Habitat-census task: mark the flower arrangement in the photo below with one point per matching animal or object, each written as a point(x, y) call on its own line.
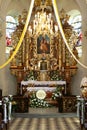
point(32, 75)
point(54, 75)
point(7, 99)
point(36, 102)
point(57, 93)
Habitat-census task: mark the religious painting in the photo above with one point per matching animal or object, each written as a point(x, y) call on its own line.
point(43, 44)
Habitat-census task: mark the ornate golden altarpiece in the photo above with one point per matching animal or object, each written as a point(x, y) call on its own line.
point(43, 55)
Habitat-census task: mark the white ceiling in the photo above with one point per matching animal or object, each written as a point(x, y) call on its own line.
point(15, 7)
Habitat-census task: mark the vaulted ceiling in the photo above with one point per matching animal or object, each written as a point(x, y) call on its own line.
point(14, 7)
point(5, 4)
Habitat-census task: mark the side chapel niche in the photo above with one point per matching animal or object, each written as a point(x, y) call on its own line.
point(43, 55)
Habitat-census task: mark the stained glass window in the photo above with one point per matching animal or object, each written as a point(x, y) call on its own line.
point(76, 22)
point(10, 27)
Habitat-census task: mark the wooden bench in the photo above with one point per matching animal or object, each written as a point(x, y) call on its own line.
point(83, 113)
point(22, 104)
point(3, 124)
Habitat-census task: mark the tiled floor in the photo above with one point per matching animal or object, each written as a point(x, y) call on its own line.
point(36, 119)
point(60, 123)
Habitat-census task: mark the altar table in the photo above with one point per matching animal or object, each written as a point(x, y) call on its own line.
point(42, 85)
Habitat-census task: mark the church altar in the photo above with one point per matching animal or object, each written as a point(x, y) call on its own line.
point(44, 85)
point(43, 82)
point(43, 58)
point(41, 88)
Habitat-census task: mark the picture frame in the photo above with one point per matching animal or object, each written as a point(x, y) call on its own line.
point(43, 44)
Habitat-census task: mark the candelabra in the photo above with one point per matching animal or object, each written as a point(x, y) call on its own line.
point(43, 22)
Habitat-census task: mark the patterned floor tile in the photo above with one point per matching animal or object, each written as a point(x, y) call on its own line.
point(61, 123)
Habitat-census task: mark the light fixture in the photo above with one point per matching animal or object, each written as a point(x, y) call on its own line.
point(43, 22)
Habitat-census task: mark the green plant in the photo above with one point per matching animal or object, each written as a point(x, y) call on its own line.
point(54, 75)
point(32, 75)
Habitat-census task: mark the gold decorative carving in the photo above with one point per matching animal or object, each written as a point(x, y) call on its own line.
point(43, 47)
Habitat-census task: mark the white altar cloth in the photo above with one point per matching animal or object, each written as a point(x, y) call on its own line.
point(42, 82)
point(41, 88)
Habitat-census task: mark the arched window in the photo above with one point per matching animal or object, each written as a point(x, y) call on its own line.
point(10, 27)
point(76, 21)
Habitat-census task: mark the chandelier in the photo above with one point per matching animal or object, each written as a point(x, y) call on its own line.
point(43, 22)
